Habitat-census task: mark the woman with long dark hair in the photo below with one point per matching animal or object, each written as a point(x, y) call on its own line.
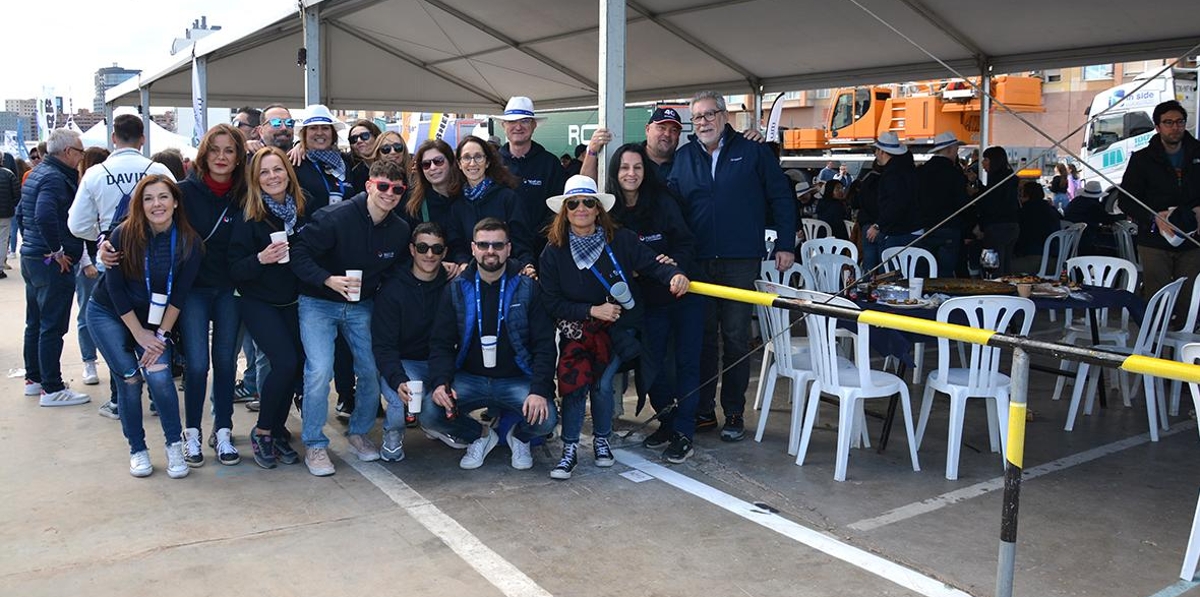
point(999, 209)
point(436, 183)
point(268, 293)
point(363, 137)
point(488, 190)
point(587, 275)
point(132, 328)
point(646, 207)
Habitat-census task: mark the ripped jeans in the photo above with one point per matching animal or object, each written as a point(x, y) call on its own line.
point(121, 353)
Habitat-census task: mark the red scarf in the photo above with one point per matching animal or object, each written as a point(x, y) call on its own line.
point(219, 188)
point(581, 362)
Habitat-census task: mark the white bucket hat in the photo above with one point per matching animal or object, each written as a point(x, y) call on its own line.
point(518, 107)
point(578, 187)
point(319, 114)
point(944, 140)
point(1092, 189)
point(888, 142)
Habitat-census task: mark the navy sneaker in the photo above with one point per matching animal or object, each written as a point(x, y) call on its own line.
point(264, 450)
point(734, 430)
point(659, 439)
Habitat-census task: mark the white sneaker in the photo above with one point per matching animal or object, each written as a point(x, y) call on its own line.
point(89, 373)
point(139, 464)
point(64, 397)
point(478, 450)
point(177, 467)
point(193, 455)
point(522, 459)
point(362, 447)
point(109, 410)
point(33, 388)
point(226, 453)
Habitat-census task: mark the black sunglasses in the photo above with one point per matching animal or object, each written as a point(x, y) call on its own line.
point(363, 136)
point(396, 147)
point(424, 248)
point(497, 245)
point(587, 202)
point(278, 122)
point(397, 188)
point(436, 160)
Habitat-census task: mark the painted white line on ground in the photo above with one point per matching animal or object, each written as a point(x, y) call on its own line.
point(996, 484)
point(891, 571)
point(1177, 589)
point(493, 568)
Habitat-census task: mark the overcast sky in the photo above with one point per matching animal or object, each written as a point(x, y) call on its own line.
point(61, 46)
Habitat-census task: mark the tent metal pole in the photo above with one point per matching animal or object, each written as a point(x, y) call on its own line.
point(758, 110)
point(108, 124)
point(985, 110)
point(312, 55)
point(612, 80)
point(145, 99)
point(1015, 460)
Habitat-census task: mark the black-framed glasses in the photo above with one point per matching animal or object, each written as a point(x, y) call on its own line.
point(363, 136)
point(436, 160)
point(424, 248)
point(478, 158)
point(1172, 123)
point(397, 188)
point(706, 116)
point(588, 202)
point(496, 245)
point(396, 147)
point(282, 122)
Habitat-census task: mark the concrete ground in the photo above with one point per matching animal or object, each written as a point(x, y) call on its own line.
point(1104, 512)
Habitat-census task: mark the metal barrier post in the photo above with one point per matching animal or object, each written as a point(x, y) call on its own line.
point(1015, 456)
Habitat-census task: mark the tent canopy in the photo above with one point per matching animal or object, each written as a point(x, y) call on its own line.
point(471, 55)
point(160, 139)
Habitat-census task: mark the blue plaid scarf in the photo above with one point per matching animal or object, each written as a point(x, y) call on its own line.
point(473, 194)
point(586, 250)
point(332, 160)
point(285, 211)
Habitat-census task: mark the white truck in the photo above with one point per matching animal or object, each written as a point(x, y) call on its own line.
point(1110, 139)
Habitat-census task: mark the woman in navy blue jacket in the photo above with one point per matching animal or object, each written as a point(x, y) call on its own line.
point(646, 207)
point(267, 294)
point(161, 256)
point(587, 274)
point(487, 191)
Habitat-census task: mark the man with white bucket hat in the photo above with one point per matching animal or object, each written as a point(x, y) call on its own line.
point(542, 175)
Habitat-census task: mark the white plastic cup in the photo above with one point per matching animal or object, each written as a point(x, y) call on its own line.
point(281, 237)
point(356, 294)
point(620, 291)
point(488, 344)
point(158, 306)
point(416, 392)
point(916, 288)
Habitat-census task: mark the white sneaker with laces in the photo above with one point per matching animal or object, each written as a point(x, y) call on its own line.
point(33, 388)
point(177, 467)
point(64, 397)
point(89, 373)
point(139, 464)
point(192, 452)
point(226, 453)
point(522, 459)
point(478, 450)
point(109, 410)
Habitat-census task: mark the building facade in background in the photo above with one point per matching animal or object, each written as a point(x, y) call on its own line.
point(108, 77)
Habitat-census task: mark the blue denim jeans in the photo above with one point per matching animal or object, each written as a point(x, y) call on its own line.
point(416, 371)
point(320, 322)
point(680, 325)
point(474, 392)
point(115, 342)
point(83, 292)
point(871, 252)
point(204, 305)
point(602, 406)
point(727, 336)
point(48, 294)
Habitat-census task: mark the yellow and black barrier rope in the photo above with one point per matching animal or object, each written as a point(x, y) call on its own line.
point(1021, 347)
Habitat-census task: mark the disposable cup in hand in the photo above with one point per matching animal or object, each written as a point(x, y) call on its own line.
point(281, 237)
point(620, 291)
point(488, 343)
point(355, 294)
point(158, 306)
point(416, 393)
point(916, 287)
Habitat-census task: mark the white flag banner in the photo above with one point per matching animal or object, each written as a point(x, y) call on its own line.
point(772, 135)
point(197, 105)
point(11, 145)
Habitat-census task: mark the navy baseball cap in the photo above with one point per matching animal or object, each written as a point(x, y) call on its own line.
point(665, 115)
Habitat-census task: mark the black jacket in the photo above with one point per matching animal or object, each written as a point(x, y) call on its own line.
point(1090, 211)
point(402, 321)
point(436, 209)
point(658, 221)
point(542, 177)
point(1151, 178)
point(1000, 206)
point(866, 201)
point(1038, 220)
point(342, 237)
point(498, 202)
point(212, 218)
point(274, 283)
point(10, 193)
point(942, 191)
point(316, 179)
point(899, 210)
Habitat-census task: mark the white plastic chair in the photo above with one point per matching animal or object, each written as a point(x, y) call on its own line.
point(1149, 343)
point(1176, 339)
point(849, 228)
point(850, 384)
point(788, 361)
point(769, 238)
point(822, 246)
point(814, 228)
point(788, 277)
point(1066, 243)
point(792, 276)
point(981, 376)
point(827, 272)
point(1108, 272)
point(1126, 247)
point(907, 260)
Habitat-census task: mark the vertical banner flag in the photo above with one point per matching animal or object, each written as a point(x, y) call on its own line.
point(197, 105)
point(772, 135)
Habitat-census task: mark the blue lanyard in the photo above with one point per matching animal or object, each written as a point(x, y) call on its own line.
point(616, 266)
point(329, 191)
point(170, 270)
point(479, 306)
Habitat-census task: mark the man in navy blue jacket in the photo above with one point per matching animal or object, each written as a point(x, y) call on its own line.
point(48, 254)
point(728, 184)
